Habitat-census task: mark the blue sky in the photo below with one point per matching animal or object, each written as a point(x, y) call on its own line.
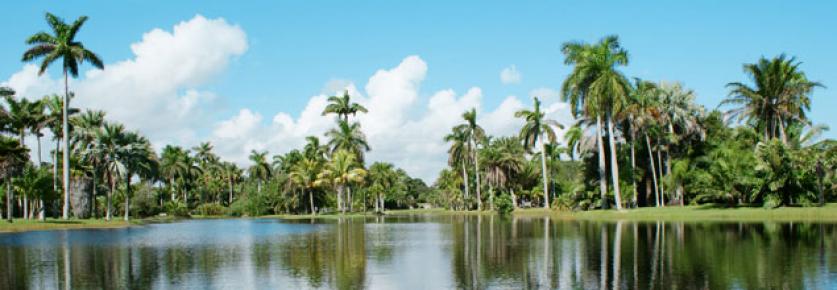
point(294, 48)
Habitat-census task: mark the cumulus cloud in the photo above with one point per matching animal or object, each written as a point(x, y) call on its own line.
point(510, 75)
point(157, 91)
point(402, 127)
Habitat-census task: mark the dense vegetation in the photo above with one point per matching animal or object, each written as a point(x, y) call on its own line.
point(661, 149)
point(655, 144)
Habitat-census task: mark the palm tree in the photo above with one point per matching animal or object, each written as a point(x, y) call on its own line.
point(382, 178)
point(87, 127)
point(348, 137)
point(231, 173)
point(304, 173)
point(595, 88)
point(475, 135)
point(780, 95)
point(459, 153)
point(538, 128)
point(511, 161)
point(643, 112)
point(342, 170)
point(22, 116)
point(174, 165)
point(55, 105)
point(260, 170)
point(13, 157)
point(62, 44)
point(678, 111)
point(139, 158)
point(110, 144)
point(343, 107)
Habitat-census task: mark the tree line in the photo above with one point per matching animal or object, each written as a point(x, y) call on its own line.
point(652, 141)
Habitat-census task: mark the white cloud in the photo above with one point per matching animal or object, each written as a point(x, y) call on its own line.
point(402, 127)
point(510, 75)
point(158, 90)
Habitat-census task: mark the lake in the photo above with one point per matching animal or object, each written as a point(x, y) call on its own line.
point(424, 252)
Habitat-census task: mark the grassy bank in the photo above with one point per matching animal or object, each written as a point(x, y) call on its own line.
point(827, 213)
point(22, 225)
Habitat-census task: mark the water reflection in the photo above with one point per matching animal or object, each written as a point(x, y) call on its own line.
point(422, 252)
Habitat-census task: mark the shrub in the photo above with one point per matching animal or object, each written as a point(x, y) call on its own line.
point(503, 204)
point(211, 209)
point(177, 208)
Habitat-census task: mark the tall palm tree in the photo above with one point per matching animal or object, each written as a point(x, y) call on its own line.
point(459, 152)
point(139, 158)
point(342, 170)
point(62, 45)
point(55, 105)
point(110, 144)
point(595, 88)
point(22, 116)
point(511, 161)
point(475, 134)
point(260, 170)
point(643, 112)
point(13, 157)
point(538, 128)
point(680, 115)
point(87, 126)
point(304, 173)
point(231, 173)
point(382, 178)
point(348, 137)
point(342, 106)
point(174, 167)
point(780, 95)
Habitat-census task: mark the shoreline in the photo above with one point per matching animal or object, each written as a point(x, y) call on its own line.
point(692, 214)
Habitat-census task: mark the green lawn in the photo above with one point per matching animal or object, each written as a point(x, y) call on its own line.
point(697, 214)
point(21, 225)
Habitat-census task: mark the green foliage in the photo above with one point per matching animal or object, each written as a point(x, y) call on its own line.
point(211, 209)
point(176, 208)
point(503, 204)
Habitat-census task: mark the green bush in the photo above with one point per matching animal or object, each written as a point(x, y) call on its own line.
point(211, 209)
point(503, 204)
point(176, 208)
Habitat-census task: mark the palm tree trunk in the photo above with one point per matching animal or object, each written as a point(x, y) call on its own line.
point(112, 189)
point(340, 199)
point(544, 173)
point(782, 132)
point(602, 178)
point(377, 202)
point(465, 180)
point(229, 182)
point(653, 170)
point(614, 163)
point(93, 197)
point(128, 196)
point(662, 176)
point(633, 169)
point(349, 197)
point(514, 198)
point(310, 201)
point(40, 199)
point(477, 174)
point(9, 207)
point(66, 154)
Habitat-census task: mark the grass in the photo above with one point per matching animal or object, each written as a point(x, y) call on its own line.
point(22, 225)
point(701, 213)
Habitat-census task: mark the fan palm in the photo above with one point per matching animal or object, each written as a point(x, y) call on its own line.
point(595, 88)
point(538, 128)
point(62, 44)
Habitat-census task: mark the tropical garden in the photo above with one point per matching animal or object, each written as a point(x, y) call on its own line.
point(634, 143)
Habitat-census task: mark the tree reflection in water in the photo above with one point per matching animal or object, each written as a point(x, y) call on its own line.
point(429, 252)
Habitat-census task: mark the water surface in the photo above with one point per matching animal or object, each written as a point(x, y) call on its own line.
point(424, 252)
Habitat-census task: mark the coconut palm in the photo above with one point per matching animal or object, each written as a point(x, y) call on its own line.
point(342, 106)
point(459, 152)
point(595, 88)
point(342, 170)
point(304, 173)
point(348, 137)
point(779, 96)
point(511, 160)
point(62, 45)
point(475, 135)
point(260, 170)
point(313, 148)
point(538, 128)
